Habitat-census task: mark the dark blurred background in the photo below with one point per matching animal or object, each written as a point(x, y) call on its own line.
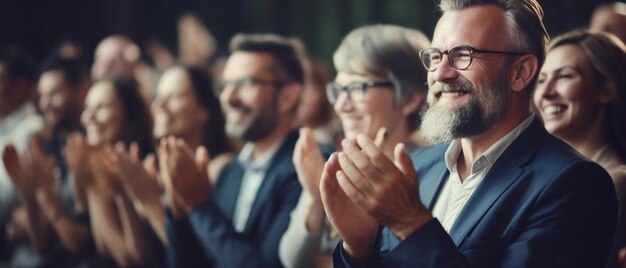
point(38, 26)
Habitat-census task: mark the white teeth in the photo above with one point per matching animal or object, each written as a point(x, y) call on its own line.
point(550, 110)
point(456, 93)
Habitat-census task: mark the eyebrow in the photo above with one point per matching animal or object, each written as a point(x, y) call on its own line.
point(559, 70)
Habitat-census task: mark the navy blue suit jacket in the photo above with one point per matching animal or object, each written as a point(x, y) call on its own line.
point(540, 205)
point(207, 237)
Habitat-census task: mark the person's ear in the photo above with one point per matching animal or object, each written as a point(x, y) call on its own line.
point(522, 72)
point(289, 97)
point(413, 103)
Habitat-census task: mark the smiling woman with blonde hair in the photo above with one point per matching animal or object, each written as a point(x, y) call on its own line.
point(580, 96)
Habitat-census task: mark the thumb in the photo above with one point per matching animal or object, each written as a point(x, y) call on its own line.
point(381, 135)
point(12, 162)
point(134, 151)
point(202, 158)
point(403, 161)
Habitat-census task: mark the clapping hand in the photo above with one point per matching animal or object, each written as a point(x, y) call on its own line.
point(15, 167)
point(31, 174)
point(355, 226)
point(363, 187)
point(41, 169)
point(184, 175)
point(76, 154)
point(104, 163)
point(388, 190)
point(309, 162)
point(137, 182)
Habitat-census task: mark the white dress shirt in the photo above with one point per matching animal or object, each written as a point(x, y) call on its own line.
point(455, 192)
point(255, 171)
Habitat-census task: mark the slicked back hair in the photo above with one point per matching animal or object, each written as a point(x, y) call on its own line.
point(526, 32)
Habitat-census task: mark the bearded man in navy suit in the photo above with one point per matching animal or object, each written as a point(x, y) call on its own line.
point(239, 221)
point(499, 191)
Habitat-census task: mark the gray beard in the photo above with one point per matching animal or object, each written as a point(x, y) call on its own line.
point(441, 124)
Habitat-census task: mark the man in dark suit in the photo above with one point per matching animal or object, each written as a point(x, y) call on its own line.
point(500, 191)
point(239, 222)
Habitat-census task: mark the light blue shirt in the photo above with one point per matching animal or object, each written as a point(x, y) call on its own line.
point(255, 171)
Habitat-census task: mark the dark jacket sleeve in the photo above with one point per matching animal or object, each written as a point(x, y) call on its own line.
point(228, 248)
point(184, 248)
point(206, 231)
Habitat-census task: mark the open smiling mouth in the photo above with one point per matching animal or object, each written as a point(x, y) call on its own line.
point(554, 109)
point(450, 94)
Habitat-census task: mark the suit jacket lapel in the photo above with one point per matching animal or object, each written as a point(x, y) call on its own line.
point(228, 187)
point(279, 167)
point(507, 169)
point(431, 185)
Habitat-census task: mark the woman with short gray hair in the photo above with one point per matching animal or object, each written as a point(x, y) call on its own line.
point(379, 91)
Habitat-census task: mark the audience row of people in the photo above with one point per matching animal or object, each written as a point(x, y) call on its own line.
point(268, 163)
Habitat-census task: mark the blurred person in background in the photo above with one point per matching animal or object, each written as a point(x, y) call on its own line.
point(238, 222)
point(610, 18)
point(581, 98)
point(186, 108)
point(118, 55)
point(115, 114)
point(19, 123)
point(315, 111)
point(62, 87)
point(378, 91)
point(61, 90)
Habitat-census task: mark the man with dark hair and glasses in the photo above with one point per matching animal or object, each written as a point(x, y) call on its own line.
point(498, 191)
point(239, 222)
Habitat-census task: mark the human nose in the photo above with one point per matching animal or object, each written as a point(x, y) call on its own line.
point(87, 116)
point(444, 71)
point(547, 89)
point(229, 93)
point(44, 102)
point(343, 103)
point(157, 104)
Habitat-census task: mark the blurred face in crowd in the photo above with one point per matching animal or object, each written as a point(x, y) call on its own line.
point(176, 108)
point(114, 56)
point(249, 96)
point(611, 20)
point(103, 115)
point(464, 103)
point(55, 98)
point(566, 96)
point(368, 108)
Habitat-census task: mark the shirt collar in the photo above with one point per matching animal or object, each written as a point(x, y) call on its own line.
point(489, 157)
point(245, 157)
